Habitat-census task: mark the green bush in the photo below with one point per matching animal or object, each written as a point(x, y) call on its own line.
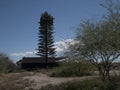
point(93, 84)
point(72, 69)
point(6, 65)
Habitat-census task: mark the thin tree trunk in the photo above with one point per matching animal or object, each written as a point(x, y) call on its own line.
point(46, 51)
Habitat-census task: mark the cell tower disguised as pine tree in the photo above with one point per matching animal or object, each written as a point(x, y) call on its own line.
point(46, 40)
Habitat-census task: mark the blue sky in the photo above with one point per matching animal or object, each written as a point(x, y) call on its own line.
point(19, 22)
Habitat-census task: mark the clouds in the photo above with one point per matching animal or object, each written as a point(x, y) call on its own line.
point(60, 46)
point(63, 45)
point(23, 54)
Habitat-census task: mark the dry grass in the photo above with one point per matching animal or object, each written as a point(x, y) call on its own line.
point(15, 81)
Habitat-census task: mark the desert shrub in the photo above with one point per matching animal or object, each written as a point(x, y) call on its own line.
point(92, 84)
point(6, 65)
point(72, 69)
point(15, 81)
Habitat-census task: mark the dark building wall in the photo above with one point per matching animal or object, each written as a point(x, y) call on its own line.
point(31, 66)
point(30, 63)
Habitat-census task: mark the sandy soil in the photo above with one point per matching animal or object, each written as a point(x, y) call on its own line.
point(35, 80)
point(40, 80)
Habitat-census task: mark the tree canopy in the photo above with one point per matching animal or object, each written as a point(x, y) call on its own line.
point(100, 41)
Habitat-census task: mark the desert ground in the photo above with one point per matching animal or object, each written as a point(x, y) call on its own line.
point(35, 80)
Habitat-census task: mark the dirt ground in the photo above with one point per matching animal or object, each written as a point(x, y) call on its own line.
point(35, 80)
point(32, 80)
point(40, 79)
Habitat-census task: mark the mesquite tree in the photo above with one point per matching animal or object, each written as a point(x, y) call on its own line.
point(101, 45)
point(100, 42)
point(45, 42)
